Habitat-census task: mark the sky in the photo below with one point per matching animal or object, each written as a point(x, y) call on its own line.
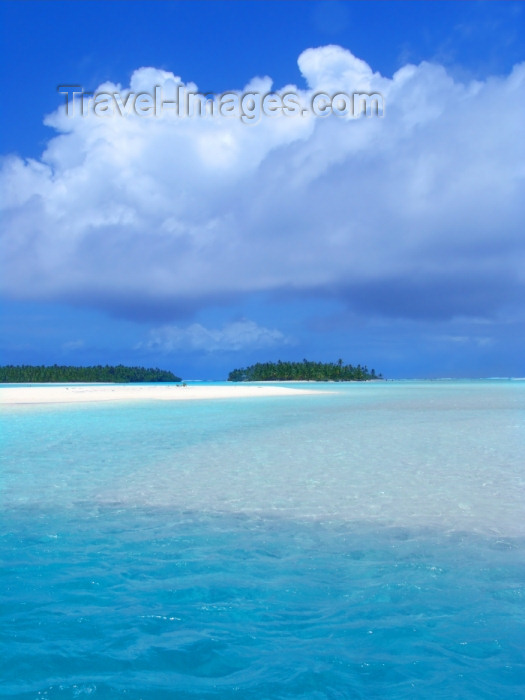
point(134, 234)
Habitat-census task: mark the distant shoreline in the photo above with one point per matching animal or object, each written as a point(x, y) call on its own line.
point(84, 393)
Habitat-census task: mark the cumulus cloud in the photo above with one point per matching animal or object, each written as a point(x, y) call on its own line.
point(419, 212)
point(239, 335)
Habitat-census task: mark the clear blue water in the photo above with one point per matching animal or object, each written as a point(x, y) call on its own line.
point(369, 543)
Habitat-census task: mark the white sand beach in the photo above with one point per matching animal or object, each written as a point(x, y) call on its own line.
point(136, 392)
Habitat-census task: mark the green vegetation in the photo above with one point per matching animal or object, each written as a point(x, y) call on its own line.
point(60, 373)
point(300, 371)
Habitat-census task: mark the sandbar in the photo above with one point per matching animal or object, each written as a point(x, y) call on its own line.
point(83, 393)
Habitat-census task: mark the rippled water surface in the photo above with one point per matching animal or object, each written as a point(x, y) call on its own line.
point(368, 543)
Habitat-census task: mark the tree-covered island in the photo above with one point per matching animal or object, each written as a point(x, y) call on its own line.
point(303, 371)
point(41, 374)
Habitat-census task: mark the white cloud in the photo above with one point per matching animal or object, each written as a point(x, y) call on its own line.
point(418, 212)
point(73, 345)
point(479, 340)
point(239, 335)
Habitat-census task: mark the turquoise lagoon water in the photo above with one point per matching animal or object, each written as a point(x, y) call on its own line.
point(366, 543)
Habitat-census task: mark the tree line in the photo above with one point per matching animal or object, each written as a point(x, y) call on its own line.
point(301, 371)
point(42, 374)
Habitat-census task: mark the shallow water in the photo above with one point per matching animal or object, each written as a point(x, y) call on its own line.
point(369, 543)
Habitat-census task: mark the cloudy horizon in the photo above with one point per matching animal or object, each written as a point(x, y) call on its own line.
point(203, 244)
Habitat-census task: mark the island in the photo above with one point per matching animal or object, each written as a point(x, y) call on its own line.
point(119, 374)
point(303, 371)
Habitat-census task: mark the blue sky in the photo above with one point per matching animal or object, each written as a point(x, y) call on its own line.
point(201, 245)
